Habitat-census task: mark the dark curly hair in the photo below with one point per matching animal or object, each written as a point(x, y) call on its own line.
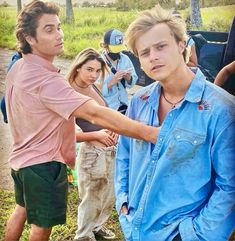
point(27, 22)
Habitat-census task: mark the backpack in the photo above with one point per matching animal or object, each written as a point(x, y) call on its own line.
point(16, 56)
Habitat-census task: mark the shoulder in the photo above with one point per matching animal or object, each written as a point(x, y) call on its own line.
point(144, 93)
point(190, 41)
point(124, 57)
point(220, 101)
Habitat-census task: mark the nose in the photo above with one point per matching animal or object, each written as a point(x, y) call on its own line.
point(60, 34)
point(153, 55)
point(94, 75)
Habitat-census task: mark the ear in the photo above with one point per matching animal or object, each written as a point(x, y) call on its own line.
point(30, 40)
point(181, 46)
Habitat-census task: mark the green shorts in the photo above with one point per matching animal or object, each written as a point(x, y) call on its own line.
point(42, 189)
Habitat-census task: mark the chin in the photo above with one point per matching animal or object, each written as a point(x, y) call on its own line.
point(156, 76)
point(60, 52)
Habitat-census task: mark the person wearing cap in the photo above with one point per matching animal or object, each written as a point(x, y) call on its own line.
point(121, 73)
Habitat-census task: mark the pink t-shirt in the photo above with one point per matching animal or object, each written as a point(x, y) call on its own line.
point(39, 107)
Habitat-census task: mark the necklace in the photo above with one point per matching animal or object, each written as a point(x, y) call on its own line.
point(172, 104)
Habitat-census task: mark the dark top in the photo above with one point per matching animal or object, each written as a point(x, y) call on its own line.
point(87, 126)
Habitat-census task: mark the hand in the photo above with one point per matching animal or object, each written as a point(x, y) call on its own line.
point(153, 134)
point(127, 75)
point(118, 76)
point(124, 209)
point(114, 135)
point(106, 138)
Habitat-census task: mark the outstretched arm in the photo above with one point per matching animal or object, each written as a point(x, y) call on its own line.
point(116, 122)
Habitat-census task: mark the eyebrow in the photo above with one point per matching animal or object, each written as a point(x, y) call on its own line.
point(52, 25)
point(89, 67)
point(154, 45)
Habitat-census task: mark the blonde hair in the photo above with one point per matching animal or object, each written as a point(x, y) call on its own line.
point(83, 57)
point(148, 19)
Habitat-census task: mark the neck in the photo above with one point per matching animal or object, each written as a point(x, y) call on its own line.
point(44, 56)
point(174, 102)
point(176, 86)
point(80, 86)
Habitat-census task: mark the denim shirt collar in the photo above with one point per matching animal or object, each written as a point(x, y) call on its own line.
point(196, 89)
point(194, 93)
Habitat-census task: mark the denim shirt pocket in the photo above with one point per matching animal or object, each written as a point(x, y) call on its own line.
point(184, 143)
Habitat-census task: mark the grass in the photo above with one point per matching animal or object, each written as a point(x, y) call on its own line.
point(61, 232)
point(91, 23)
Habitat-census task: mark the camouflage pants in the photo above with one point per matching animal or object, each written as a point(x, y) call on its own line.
point(95, 186)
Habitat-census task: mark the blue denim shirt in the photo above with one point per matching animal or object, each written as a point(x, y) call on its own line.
point(185, 184)
point(117, 94)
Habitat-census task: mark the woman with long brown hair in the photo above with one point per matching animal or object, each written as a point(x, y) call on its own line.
point(95, 163)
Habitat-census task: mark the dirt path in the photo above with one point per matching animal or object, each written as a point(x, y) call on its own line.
point(5, 136)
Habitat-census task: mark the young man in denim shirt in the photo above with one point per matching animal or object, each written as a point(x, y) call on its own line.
point(182, 188)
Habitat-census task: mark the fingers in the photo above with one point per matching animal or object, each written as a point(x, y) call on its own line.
point(124, 209)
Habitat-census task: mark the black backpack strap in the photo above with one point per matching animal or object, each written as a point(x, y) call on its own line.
point(112, 68)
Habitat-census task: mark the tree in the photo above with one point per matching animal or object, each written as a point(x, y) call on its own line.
point(195, 13)
point(69, 11)
point(19, 5)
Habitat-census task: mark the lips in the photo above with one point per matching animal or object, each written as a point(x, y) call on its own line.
point(60, 44)
point(156, 67)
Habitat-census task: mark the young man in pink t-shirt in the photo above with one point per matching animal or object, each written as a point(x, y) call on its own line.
point(41, 107)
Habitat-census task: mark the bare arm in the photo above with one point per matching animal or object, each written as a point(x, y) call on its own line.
point(224, 73)
point(116, 122)
point(103, 136)
point(193, 57)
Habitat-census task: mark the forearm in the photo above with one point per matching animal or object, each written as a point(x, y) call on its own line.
point(214, 216)
point(116, 122)
point(111, 83)
point(222, 200)
point(224, 74)
point(86, 136)
point(222, 77)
